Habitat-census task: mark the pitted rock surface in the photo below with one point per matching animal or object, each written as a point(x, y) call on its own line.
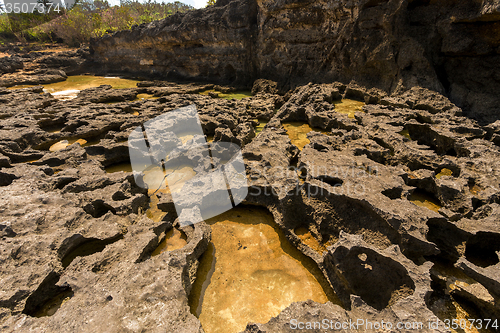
point(390, 46)
point(68, 227)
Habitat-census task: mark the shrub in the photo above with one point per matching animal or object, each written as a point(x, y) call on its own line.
point(85, 20)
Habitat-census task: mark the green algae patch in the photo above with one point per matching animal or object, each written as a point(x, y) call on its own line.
point(70, 88)
point(251, 273)
point(260, 126)
point(239, 95)
point(141, 97)
point(80, 82)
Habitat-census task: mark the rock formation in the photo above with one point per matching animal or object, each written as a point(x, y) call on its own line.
point(74, 232)
point(392, 45)
point(402, 195)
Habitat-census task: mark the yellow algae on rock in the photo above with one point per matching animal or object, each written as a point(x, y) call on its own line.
point(349, 107)
point(64, 143)
point(297, 132)
point(423, 199)
point(252, 273)
point(444, 172)
point(307, 238)
point(174, 239)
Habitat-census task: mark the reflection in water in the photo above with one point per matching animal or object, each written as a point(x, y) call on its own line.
point(185, 137)
point(54, 129)
point(178, 176)
point(349, 107)
point(175, 239)
point(70, 88)
point(254, 274)
point(65, 95)
point(424, 199)
point(22, 86)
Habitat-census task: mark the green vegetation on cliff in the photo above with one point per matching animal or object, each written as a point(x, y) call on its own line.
point(86, 19)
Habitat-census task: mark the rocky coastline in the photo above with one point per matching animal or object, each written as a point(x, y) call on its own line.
point(403, 192)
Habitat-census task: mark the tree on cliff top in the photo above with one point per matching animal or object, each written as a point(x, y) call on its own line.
point(86, 19)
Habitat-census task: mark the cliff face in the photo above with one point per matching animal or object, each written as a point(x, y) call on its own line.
point(213, 44)
point(448, 46)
